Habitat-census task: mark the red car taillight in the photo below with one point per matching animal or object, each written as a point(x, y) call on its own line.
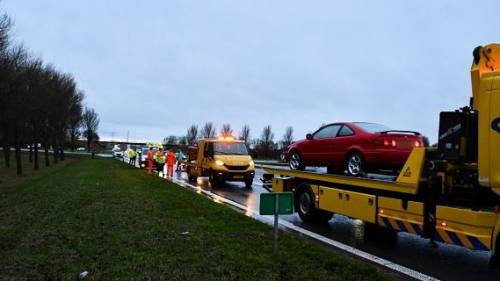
point(386, 142)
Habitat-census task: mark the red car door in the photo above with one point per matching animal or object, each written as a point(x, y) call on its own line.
point(308, 151)
point(345, 139)
point(324, 138)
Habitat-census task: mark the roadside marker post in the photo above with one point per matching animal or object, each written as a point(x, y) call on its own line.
point(276, 203)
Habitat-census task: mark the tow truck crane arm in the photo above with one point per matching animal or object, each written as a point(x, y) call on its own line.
point(485, 76)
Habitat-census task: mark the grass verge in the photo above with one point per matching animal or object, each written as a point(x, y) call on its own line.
point(119, 224)
point(8, 176)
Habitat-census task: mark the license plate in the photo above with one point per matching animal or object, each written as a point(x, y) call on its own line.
point(237, 177)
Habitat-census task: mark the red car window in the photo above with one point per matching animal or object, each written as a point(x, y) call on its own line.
point(327, 132)
point(345, 131)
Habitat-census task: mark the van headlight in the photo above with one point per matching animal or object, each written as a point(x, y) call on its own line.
point(251, 163)
point(219, 163)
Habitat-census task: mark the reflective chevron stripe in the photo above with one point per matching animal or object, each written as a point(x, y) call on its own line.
point(460, 239)
point(401, 225)
point(442, 235)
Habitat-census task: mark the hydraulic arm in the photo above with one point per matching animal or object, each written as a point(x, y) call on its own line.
point(485, 74)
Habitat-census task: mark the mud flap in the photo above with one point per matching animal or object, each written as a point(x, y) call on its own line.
point(431, 193)
point(494, 260)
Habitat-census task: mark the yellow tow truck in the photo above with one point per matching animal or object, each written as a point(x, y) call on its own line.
point(222, 159)
point(449, 193)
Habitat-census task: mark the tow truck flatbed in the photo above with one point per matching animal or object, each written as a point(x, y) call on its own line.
point(371, 183)
point(407, 182)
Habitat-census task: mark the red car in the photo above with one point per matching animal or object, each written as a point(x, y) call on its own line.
point(354, 147)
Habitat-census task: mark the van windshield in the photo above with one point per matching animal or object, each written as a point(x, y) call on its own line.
point(230, 148)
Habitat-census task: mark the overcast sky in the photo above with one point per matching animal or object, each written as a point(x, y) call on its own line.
point(155, 67)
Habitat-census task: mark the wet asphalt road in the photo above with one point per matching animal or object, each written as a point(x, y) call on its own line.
point(447, 262)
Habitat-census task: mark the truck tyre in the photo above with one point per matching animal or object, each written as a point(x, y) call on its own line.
point(295, 161)
point(306, 209)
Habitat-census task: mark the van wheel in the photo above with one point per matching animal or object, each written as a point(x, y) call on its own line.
point(248, 183)
point(307, 211)
point(212, 179)
point(295, 161)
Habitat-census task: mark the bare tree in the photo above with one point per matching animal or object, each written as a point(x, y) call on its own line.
point(182, 140)
point(48, 77)
point(266, 140)
point(37, 103)
point(6, 73)
point(226, 130)
point(208, 130)
point(5, 25)
point(245, 134)
point(90, 125)
point(287, 137)
point(35, 106)
point(192, 135)
point(170, 140)
point(18, 93)
point(75, 118)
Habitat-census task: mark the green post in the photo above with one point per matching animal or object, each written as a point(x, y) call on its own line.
point(276, 218)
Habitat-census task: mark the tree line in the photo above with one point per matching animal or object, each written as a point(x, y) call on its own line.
point(264, 146)
point(40, 106)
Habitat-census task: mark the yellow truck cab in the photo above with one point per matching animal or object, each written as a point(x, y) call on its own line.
point(222, 159)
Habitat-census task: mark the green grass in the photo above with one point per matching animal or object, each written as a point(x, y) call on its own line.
point(119, 224)
point(8, 176)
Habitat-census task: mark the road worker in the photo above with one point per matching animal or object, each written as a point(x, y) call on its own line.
point(170, 163)
point(159, 160)
point(131, 156)
point(137, 158)
point(149, 161)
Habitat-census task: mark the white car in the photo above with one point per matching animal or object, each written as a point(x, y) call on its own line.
point(117, 153)
point(80, 149)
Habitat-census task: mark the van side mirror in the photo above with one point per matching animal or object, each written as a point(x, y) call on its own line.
point(309, 136)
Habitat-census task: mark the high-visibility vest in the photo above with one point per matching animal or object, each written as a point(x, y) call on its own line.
point(159, 157)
